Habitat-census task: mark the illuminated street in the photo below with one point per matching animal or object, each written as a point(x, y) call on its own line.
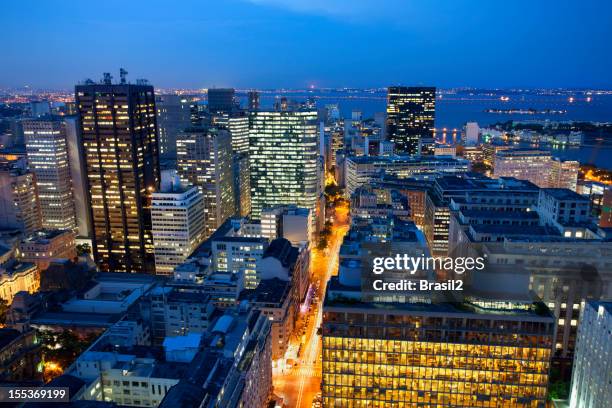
point(299, 385)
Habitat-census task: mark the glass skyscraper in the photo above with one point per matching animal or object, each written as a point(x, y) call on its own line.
point(283, 158)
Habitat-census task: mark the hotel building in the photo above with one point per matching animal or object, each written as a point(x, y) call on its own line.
point(47, 152)
point(118, 128)
point(524, 164)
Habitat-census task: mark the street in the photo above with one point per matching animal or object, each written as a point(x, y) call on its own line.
point(299, 385)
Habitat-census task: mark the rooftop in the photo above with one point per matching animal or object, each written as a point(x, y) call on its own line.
point(272, 291)
point(442, 304)
point(191, 340)
point(281, 249)
point(7, 336)
point(564, 194)
point(405, 159)
point(44, 237)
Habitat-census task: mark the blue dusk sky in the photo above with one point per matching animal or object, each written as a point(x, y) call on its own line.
point(298, 43)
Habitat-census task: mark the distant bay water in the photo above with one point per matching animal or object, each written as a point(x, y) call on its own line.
point(453, 110)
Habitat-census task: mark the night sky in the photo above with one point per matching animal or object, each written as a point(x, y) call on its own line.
point(298, 43)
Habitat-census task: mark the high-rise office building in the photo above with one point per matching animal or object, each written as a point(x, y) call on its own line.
point(253, 100)
point(237, 123)
point(221, 99)
point(204, 159)
point(591, 374)
point(177, 215)
point(242, 184)
point(410, 117)
point(336, 143)
point(47, 152)
point(19, 206)
point(119, 135)
point(283, 159)
point(173, 115)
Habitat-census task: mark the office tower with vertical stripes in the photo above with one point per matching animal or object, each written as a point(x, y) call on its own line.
point(118, 130)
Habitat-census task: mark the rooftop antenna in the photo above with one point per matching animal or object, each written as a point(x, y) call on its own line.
point(107, 78)
point(122, 74)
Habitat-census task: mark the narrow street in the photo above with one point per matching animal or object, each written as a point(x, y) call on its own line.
point(299, 385)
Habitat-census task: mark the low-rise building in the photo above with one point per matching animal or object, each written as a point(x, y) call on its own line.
point(19, 355)
point(233, 367)
point(43, 247)
point(361, 170)
point(177, 312)
point(273, 298)
point(567, 211)
point(287, 221)
point(17, 276)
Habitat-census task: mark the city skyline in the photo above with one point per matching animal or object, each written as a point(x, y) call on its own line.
point(302, 204)
point(202, 45)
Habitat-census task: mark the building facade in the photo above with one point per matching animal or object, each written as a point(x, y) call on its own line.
point(433, 355)
point(524, 164)
point(410, 117)
point(177, 216)
point(564, 174)
point(118, 130)
point(204, 159)
point(592, 363)
point(47, 152)
point(173, 116)
point(19, 205)
point(283, 159)
point(17, 277)
point(44, 246)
